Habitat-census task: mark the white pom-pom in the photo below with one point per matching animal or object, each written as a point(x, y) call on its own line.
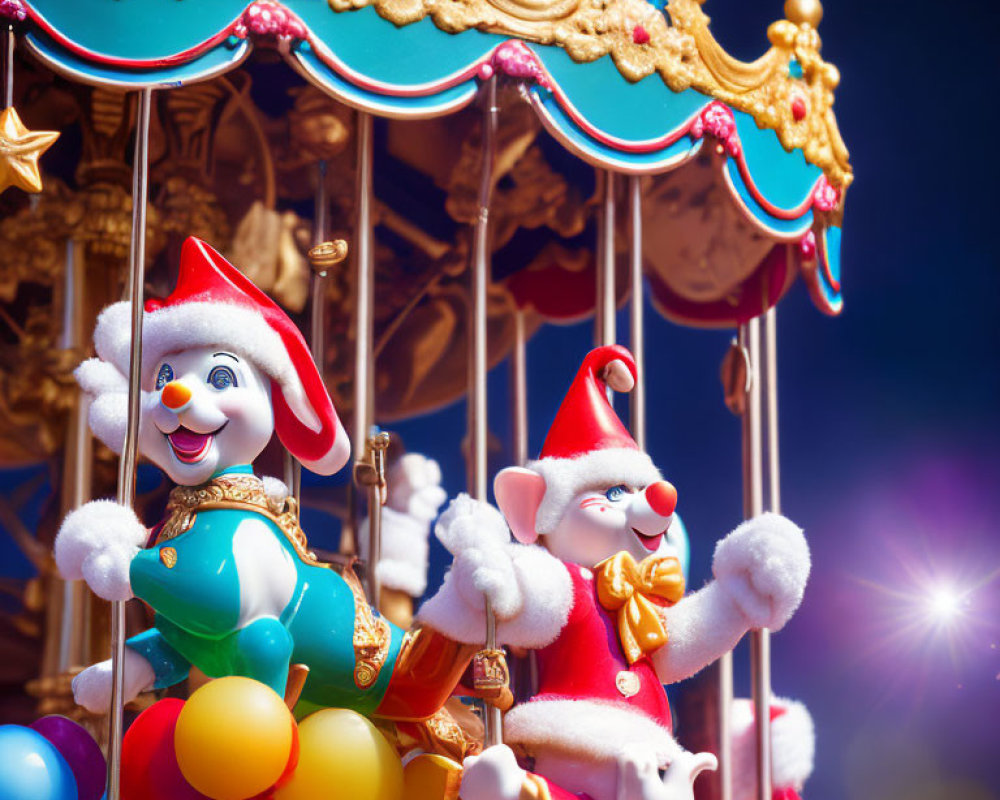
point(763, 566)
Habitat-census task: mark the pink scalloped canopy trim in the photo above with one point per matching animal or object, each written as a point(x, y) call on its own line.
point(513, 58)
point(13, 10)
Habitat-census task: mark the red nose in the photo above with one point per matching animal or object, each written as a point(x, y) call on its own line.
point(662, 498)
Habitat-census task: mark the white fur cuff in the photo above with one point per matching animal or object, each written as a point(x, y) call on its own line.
point(588, 729)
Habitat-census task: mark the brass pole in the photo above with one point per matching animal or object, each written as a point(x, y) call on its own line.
point(126, 465)
point(477, 394)
point(8, 89)
point(364, 309)
point(77, 466)
point(753, 505)
point(637, 336)
point(519, 387)
point(604, 328)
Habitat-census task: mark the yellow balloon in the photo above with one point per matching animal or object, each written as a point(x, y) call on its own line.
point(233, 738)
point(342, 755)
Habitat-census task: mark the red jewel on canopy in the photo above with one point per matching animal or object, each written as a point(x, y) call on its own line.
point(640, 35)
point(799, 109)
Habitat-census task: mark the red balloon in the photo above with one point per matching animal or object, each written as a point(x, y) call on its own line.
point(149, 764)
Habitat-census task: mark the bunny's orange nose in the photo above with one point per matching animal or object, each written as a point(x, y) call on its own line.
point(175, 395)
point(662, 498)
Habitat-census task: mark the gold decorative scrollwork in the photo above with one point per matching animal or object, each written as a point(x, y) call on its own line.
point(788, 89)
point(371, 636)
point(241, 492)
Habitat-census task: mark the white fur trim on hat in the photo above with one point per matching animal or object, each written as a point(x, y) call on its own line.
point(793, 744)
point(198, 324)
point(567, 477)
point(589, 729)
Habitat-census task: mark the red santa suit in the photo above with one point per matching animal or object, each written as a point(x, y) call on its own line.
point(591, 701)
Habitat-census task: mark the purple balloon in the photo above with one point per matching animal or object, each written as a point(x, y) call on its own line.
point(81, 752)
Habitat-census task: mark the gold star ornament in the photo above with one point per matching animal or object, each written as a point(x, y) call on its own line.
point(20, 150)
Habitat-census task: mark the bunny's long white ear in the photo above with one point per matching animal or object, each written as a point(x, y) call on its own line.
point(519, 494)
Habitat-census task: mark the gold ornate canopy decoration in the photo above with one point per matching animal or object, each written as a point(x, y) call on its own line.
point(788, 89)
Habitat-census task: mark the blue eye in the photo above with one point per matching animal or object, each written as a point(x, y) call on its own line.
point(164, 376)
point(222, 378)
point(616, 492)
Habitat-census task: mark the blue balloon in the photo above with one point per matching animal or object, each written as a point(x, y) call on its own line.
point(31, 768)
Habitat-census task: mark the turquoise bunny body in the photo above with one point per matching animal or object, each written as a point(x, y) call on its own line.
point(222, 610)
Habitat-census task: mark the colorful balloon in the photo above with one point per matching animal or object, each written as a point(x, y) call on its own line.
point(149, 765)
point(81, 752)
point(341, 754)
point(234, 738)
point(31, 768)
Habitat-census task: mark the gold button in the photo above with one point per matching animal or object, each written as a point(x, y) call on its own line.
point(627, 683)
point(168, 556)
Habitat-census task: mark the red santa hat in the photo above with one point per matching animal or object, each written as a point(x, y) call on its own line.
point(214, 304)
point(587, 446)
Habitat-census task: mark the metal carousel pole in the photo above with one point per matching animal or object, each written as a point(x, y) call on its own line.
point(519, 388)
point(8, 77)
point(761, 640)
point(318, 258)
point(127, 463)
point(604, 314)
point(477, 389)
point(364, 368)
point(637, 399)
point(753, 505)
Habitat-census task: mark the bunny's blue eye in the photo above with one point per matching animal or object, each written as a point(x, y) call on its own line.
point(616, 492)
point(222, 378)
point(164, 376)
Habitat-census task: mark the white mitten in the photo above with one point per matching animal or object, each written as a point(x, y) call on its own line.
point(476, 534)
point(92, 687)
point(97, 543)
point(529, 589)
point(639, 778)
point(763, 567)
point(492, 775)
point(415, 487)
point(415, 495)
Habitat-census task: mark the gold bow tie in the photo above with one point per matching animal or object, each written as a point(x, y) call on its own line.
point(627, 587)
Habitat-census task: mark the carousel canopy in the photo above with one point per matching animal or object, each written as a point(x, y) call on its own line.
point(622, 84)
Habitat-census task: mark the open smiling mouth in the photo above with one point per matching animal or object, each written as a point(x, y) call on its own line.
point(651, 543)
point(189, 446)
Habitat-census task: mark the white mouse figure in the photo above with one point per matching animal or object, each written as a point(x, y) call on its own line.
point(595, 587)
point(228, 571)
